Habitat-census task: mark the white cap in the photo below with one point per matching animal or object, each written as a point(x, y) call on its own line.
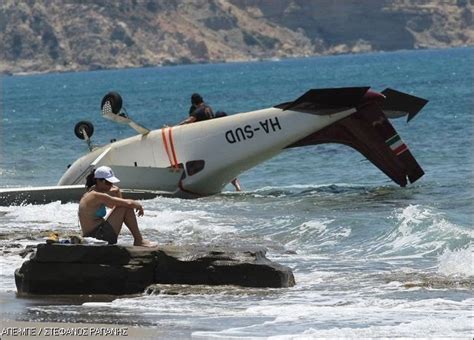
point(104, 172)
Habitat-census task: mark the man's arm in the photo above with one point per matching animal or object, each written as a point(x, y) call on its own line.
point(190, 119)
point(111, 202)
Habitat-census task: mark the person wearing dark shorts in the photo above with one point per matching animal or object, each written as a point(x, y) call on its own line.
point(105, 232)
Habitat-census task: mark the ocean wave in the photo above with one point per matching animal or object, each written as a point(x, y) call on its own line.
point(419, 231)
point(315, 234)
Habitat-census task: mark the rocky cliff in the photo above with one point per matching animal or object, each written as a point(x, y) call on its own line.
point(69, 35)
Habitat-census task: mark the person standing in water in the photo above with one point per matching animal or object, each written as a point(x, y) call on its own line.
point(101, 193)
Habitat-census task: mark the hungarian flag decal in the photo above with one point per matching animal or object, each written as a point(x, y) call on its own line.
point(396, 144)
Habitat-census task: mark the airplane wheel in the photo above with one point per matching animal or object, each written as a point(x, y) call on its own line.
point(115, 101)
point(85, 126)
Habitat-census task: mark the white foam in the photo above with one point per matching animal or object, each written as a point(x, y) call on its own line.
point(412, 216)
point(186, 225)
point(428, 327)
point(173, 305)
point(458, 262)
point(317, 226)
point(310, 323)
point(407, 233)
point(313, 277)
point(53, 215)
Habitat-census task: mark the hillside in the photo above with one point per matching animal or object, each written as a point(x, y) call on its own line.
point(47, 35)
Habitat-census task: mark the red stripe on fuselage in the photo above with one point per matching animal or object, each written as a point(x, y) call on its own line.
point(173, 151)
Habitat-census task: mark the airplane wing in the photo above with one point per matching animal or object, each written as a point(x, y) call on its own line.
point(367, 130)
point(63, 193)
point(326, 101)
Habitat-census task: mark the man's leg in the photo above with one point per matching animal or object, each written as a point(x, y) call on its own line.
point(120, 215)
point(235, 182)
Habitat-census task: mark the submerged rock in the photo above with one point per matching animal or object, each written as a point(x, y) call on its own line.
point(222, 290)
point(107, 269)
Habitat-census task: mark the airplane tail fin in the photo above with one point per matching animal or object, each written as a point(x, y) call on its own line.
point(369, 131)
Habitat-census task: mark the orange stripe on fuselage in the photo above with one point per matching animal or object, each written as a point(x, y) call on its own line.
point(172, 148)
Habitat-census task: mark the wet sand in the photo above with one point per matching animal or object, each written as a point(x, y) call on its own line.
point(17, 323)
point(50, 330)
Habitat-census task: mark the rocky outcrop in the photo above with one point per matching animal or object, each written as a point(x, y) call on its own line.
point(117, 270)
point(42, 36)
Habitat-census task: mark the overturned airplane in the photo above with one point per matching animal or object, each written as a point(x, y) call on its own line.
point(176, 160)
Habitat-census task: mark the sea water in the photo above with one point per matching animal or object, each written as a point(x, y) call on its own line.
point(370, 259)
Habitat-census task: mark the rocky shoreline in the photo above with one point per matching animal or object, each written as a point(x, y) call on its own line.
point(39, 36)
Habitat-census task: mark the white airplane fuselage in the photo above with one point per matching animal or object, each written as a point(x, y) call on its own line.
point(225, 147)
